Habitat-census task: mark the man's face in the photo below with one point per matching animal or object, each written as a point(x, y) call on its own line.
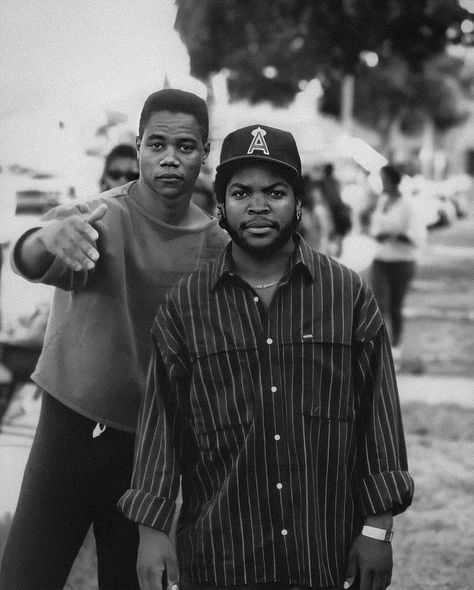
point(120, 171)
point(170, 154)
point(260, 207)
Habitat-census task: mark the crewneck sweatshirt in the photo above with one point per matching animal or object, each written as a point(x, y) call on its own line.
point(97, 344)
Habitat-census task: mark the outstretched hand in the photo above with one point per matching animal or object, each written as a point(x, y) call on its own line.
point(372, 561)
point(74, 238)
point(156, 555)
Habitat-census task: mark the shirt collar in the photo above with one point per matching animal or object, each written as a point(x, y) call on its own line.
point(303, 258)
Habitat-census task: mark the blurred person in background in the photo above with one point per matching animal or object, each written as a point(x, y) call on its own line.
point(203, 195)
point(339, 213)
point(112, 260)
point(120, 167)
point(399, 234)
point(326, 219)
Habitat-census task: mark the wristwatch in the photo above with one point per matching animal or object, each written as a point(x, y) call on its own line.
point(379, 534)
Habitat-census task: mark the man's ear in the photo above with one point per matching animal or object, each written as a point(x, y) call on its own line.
point(207, 149)
point(221, 215)
point(138, 143)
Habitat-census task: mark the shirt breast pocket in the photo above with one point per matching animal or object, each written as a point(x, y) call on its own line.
point(326, 379)
point(222, 395)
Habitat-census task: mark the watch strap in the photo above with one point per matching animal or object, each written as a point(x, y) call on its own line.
point(376, 533)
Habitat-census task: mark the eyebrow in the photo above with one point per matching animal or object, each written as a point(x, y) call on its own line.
point(183, 137)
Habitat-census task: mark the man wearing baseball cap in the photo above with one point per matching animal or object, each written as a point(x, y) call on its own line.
point(272, 396)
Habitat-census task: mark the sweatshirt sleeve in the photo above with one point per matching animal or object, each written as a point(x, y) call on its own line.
point(151, 499)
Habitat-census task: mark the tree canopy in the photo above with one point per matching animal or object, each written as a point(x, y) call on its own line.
point(269, 47)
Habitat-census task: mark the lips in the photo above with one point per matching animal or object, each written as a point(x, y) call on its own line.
point(169, 177)
point(258, 224)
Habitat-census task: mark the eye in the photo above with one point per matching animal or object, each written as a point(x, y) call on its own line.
point(239, 193)
point(157, 145)
point(277, 193)
point(186, 148)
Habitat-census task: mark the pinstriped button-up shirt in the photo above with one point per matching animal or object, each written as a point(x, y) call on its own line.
point(284, 423)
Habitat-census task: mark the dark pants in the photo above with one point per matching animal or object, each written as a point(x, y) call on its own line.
point(390, 283)
point(70, 482)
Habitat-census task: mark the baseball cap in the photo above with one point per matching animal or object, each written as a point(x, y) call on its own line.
point(257, 143)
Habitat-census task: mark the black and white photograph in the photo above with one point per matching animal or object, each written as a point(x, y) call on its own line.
point(237, 295)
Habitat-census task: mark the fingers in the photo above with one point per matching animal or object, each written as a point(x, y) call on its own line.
point(73, 239)
point(74, 243)
point(97, 214)
point(83, 208)
point(350, 570)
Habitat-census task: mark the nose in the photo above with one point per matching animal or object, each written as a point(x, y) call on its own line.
point(169, 157)
point(258, 204)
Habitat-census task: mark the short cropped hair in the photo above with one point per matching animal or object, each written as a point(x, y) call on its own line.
point(122, 150)
point(176, 101)
point(392, 174)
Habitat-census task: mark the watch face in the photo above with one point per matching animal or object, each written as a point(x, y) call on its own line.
point(389, 536)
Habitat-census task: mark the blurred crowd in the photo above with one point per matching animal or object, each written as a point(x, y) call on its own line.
point(383, 218)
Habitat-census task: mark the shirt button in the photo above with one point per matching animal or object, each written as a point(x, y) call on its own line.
point(273, 389)
point(279, 486)
point(284, 532)
point(277, 437)
point(269, 340)
point(255, 299)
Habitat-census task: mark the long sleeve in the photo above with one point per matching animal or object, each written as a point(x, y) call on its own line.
point(151, 499)
point(383, 479)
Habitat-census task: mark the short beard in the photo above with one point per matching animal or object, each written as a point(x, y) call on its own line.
point(284, 235)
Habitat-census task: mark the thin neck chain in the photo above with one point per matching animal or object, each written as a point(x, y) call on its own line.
point(266, 286)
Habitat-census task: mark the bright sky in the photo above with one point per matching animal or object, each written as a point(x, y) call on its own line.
point(72, 60)
point(65, 63)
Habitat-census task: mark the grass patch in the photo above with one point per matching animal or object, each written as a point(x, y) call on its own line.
point(434, 538)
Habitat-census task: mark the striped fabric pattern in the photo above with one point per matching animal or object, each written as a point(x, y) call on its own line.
point(284, 423)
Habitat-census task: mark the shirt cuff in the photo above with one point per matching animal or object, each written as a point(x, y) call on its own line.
point(390, 490)
point(144, 508)
point(15, 257)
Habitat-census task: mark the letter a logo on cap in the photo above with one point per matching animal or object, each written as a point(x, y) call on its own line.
point(258, 142)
